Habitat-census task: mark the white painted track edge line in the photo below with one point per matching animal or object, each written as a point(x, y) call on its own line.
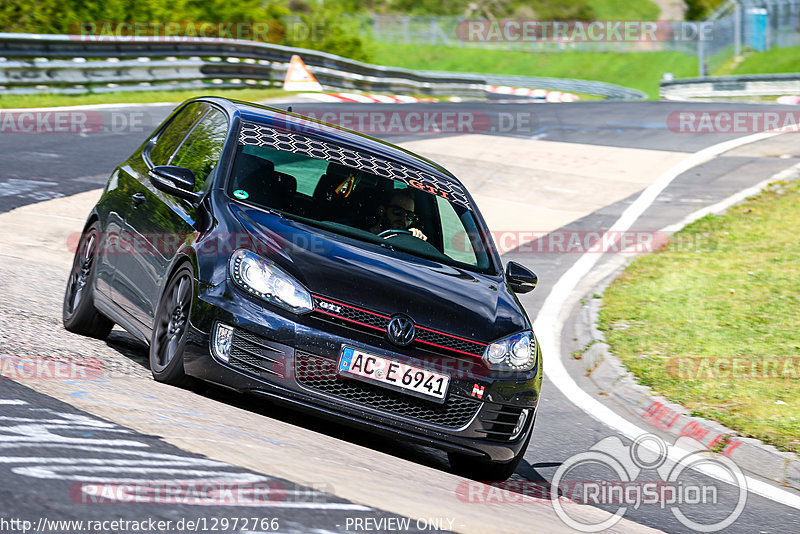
point(548, 324)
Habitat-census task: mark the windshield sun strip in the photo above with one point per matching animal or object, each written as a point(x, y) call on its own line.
point(253, 134)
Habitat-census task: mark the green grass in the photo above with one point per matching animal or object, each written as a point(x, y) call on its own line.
point(640, 70)
point(704, 320)
point(769, 62)
point(625, 9)
point(50, 100)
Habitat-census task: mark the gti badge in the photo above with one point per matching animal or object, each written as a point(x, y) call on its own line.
point(328, 306)
point(401, 330)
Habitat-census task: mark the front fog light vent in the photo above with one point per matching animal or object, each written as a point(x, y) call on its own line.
point(520, 424)
point(223, 337)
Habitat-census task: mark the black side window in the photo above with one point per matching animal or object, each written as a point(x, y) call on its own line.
point(170, 138)
point(201, 150)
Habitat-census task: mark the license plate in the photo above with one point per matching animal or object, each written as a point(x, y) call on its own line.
point(394, 375)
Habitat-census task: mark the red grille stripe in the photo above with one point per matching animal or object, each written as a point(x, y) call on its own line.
point(451, 335)
point(389, 318)
point(352, 320)
point(448, 348)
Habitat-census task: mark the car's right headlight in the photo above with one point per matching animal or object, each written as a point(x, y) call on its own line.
point(513, 353)
point(264, 279)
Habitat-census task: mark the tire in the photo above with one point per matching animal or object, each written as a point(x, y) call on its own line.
point(170, 327)
point(485, 470)
point(78, 312)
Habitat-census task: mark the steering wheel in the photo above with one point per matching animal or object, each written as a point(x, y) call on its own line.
point(386, 234)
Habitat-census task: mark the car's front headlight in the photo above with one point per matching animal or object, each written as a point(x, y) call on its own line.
point(264, 279)
point(514, 353)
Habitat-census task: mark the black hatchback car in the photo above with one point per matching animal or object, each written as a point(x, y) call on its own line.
point(319, 268)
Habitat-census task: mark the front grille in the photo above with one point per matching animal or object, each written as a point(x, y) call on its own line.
point(377, 323)
point(319, 374)
point(499, 421)
point(432, 337)
point(254, 354)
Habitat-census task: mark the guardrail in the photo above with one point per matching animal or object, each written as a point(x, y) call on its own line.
point(79, 64)
point(711, 87)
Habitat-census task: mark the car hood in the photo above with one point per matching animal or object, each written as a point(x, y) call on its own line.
point(442, 297)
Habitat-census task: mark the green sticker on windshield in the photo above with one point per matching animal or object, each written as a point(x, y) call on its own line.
point(239, 193)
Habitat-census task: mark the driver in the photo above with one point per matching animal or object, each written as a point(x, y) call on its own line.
point(398, 214)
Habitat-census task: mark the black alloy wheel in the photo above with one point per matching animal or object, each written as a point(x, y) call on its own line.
point(171, 325)
point(78, 312)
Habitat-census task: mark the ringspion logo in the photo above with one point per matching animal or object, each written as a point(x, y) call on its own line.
point(648, 473)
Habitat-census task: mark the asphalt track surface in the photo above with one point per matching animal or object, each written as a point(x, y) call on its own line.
point(38, 168)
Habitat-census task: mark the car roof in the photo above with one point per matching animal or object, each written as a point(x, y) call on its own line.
point(307, 126)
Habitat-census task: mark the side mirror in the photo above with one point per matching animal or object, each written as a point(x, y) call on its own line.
point(520, 278)
point(178, 181)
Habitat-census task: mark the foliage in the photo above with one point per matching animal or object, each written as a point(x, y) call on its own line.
point(559, 10)
point(430, 7)
point(326, 27)
point(539, 9)
point(625, 10)
point(700, 9)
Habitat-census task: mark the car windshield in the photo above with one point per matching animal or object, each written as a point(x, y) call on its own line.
point(401, 213)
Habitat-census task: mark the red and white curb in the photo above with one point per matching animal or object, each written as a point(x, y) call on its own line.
point(789, 99)
point(541, 95)
point(365, 99)
point(533, 94)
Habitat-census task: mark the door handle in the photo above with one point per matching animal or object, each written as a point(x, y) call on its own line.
point(138, 199)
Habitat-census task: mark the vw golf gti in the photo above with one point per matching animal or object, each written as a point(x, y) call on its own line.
point(319, 268)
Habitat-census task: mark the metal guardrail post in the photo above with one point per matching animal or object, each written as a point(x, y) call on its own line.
point(737, 30)
point(701, 60)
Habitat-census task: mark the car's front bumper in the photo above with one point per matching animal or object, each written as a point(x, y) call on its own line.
point(292, 360)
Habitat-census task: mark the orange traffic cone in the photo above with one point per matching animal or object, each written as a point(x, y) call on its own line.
point(299, 78)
